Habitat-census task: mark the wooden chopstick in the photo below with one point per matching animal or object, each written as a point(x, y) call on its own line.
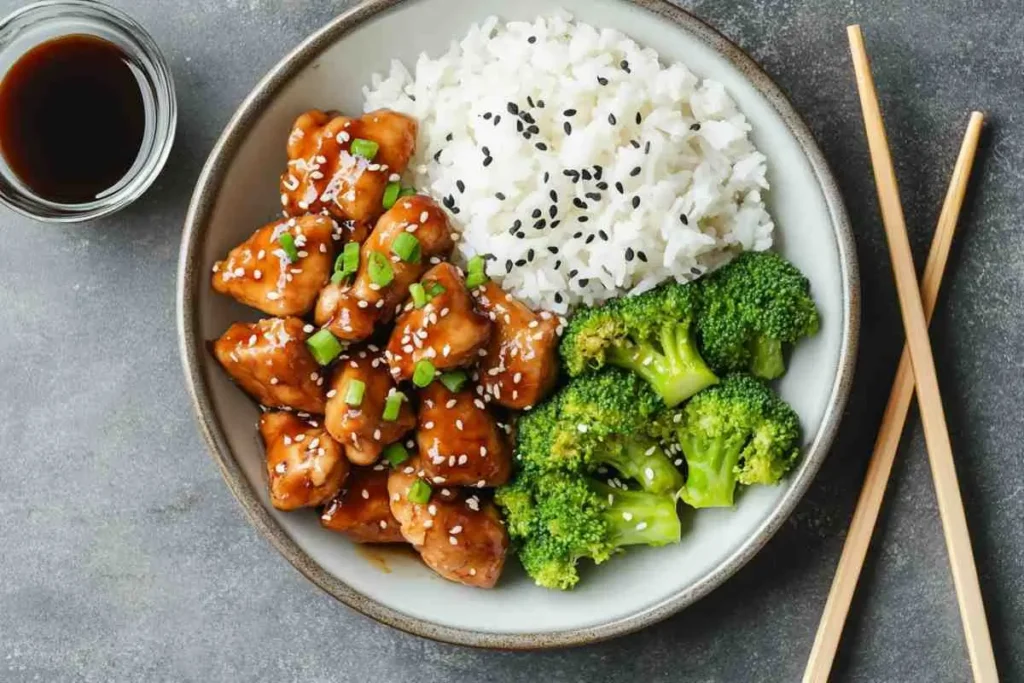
point(933, 418)
point(855, 549)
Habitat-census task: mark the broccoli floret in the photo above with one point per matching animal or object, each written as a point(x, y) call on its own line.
point(556, 519)
point(736, 431)
point(598, 420)
point(750, 308)
point(652, 334)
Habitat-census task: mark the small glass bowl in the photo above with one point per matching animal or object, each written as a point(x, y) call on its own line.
point(44, 21)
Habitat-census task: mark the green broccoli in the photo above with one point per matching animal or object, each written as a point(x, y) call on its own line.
point(736, 431)
point(598, 420)
point(556, 519)
point(750, 308)
point(652, 334)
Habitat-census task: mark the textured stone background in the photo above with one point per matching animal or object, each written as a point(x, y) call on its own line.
point(124, 556)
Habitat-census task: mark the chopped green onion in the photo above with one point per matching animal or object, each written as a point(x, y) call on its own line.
point(435, 289)
point(474, 280)
point(338, 277)
point(419, 295)
point(420, 492)
point(476, 264)
point(287, 243)
point(454, 380)
point(423, 373)
point(324, 346)
point(380, 269)
point(407, 192)
point(347, 262)
point(391, 193)
point(354, 393)
point(393, 406)
point(396, 454)
point(366, 149)
point(406, 247)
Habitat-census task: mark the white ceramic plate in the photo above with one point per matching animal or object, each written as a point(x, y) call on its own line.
point(237, 192)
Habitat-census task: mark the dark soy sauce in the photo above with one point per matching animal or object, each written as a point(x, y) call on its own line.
point(72, 118)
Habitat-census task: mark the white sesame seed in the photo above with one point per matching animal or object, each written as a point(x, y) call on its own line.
point(424, 217)
point(428, 524)
point(383, 524)
point(365, 494)
point(453, 540)
point(455, 530)
point(641, 526)
point(628, 516)
point(582, 428)
point(649, 473)
point(273, 380)
point(432, 509)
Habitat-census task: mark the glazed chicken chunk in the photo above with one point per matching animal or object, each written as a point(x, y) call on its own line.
point(448, 331)
point(460, 441)
point(351, 311)
point(460, 537)
point(521, 365)
point(305, 466)
point(362, 511)
point(357, 404)
point(281, 268)
point(342, 165)
point(269, 360)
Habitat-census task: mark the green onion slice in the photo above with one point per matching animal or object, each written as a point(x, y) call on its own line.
point(420, 492)
point(474, 280)
point(354, 393)
point(434, 289)
point(407, 192)
point(393, 406)
point(396, 454)
point(419, 295)
point(324, 346)
point(391, 193)
point(476, 264)
point(423, 373)
point(287, 243)
point(380, 269)
point(366, 149)
point(406, 247)
point(347, 262)
point(454, 380)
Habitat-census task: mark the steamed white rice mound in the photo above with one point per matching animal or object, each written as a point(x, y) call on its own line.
point(585, 167)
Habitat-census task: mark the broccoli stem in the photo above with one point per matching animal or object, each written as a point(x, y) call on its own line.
point(767, 361)
point(640, 518)
point(644, 461)
point(710, 464)
point(675, 371)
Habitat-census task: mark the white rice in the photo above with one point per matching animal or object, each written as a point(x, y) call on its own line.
point(698, 186)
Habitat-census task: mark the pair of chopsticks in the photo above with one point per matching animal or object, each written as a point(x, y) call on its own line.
point(916, 366)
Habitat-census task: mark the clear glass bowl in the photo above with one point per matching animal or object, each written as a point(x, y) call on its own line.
point(44, 21)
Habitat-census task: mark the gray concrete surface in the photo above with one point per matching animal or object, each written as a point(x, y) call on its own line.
point(124, 558)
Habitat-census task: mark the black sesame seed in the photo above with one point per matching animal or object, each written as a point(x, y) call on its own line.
point(521, 235)
point(448, 137)
point(486, 151)
point(500, 195)
point(541, 146)
point(603, 235)
point(519, 126)
point(567, 127)
point(527, 135)
point(513, 230)
point(569, 112)
point(602, 185)
point(569, 173)
point(534, 129)
point(528, 117)
point(558, 264)
point(508, 266)
point(573, 273)
point(553, 250)
point(448, 201)
point(553, 195)
point(586, 174)
point(583, 219)
point(642, 256)
point(497, 119)
point(638, 118)
point(513, 108)
point(487, 161)
point(647, 147)
point(635, 172)
point(636, 201)
point(529, 255)
point(618, 186)
point(629, 253)
point(461, 185)
point(518, 224)
point(577, 235)
point(684, 219)
point(531, 40)
point(541, 224)
point(558, 297)
point(584, 281)
point(546, 176)
point(612, 120)
point(552, 210)
point(540, 103)
point(579, 203)
point(529, 100)
point(437, 156)
point(602, 80)
point(590, 238)
point(595, 196)
point(456, 210)
point(536, 213)
point(695, 126)
point(487, 116)
point(598, 172)
point(555, 224)
point(624, 65)
point(521, 262)
point(636, 145)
